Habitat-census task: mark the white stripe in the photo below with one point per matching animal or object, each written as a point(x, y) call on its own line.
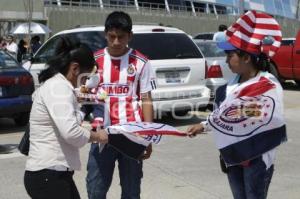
point(107, 121)
point(123, 80)
point(106, 79)
point(122, 110)
point(251, 16)
point(258, 30)
point(276, 43)
point(246, 38)
point(266, 21)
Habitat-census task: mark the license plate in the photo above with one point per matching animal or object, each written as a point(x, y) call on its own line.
point(172, 77)
point(1, 92)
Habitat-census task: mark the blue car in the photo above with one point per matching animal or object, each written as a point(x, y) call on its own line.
point(16, 87)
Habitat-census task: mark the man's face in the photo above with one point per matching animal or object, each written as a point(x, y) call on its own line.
point(117, 41)
point(9, 39)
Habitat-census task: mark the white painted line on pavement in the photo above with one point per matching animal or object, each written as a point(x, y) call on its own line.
point(10, 155)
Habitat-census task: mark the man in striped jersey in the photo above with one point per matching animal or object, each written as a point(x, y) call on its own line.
point(126, 75)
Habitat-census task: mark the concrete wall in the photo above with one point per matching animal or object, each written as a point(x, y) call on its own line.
point(18, 10)
point(64, 18)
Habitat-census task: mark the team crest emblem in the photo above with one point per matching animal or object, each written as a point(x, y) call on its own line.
point(131, 70)
point(243, 116)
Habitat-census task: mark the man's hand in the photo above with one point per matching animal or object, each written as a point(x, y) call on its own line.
point(192, 131)
point(147, 153)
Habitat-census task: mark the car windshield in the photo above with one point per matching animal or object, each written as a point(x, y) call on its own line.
point(6, 61)
point(94, 40)
point(165, 46)
point(210, 49)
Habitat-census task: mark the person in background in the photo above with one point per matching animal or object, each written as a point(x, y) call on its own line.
point(55, 124)
point(248, 122)
point(35, 43)
point(220, 35)
point(11, 47)
point(22, 50)
point(128, 71)
point(2, 43)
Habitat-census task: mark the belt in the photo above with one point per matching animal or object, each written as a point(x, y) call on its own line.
point(59, 168)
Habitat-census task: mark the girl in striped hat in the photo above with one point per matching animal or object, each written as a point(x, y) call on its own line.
point(247, 121)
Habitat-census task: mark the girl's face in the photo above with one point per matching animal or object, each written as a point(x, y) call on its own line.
point(235, 62)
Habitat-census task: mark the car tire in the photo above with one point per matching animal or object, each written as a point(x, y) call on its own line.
point(297, 82)
point(22, 119)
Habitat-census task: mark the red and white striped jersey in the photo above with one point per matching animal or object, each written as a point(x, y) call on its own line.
point(124, 78)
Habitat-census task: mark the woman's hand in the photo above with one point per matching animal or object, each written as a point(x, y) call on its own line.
point(194, 130)
point(100, 136)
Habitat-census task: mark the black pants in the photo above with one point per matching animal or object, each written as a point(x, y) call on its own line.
point(50, 184)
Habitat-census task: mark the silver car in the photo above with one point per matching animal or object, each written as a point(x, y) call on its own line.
point(218, 72)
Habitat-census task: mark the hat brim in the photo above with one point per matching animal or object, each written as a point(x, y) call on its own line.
point(225, 45)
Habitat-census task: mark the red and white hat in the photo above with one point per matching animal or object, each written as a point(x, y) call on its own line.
point(248, 32)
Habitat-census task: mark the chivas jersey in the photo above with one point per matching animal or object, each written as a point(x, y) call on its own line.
point(124, 78)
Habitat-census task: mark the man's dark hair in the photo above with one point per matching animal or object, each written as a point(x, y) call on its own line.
point(118, 20)
point(222, 27)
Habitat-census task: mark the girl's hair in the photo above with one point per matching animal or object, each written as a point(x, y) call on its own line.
point(261, 61)
point(65, 52)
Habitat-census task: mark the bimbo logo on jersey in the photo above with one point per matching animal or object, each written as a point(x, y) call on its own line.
point(114, 89)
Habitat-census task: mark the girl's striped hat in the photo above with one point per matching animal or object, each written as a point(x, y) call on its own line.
point(248, 32)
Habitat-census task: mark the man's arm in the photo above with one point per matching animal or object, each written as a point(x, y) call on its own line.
point(147, 109)
point(147, 106)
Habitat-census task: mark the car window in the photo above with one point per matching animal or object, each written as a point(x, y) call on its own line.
point(6, 61)
point(208, 36)
point(210, 49)
point(165, 46)
point(287, 42)
point(94, 40)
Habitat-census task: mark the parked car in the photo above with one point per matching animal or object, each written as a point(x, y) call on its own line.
point(16, 87)
point(218, 72)
point(205, 36)
point(285, 64)
point(175, 58)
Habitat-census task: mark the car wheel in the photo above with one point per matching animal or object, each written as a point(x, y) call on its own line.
point(298, 82)
point(22, 119)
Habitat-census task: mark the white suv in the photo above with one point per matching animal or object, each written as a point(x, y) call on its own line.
point(177, 62)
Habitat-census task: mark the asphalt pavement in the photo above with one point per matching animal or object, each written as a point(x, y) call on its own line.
point(179, 168)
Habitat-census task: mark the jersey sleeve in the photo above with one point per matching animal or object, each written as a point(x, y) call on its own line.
point(147, 79)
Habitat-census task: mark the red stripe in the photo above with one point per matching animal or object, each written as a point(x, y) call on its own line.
point(129, 110)
point(115, 71)
point(154, 132)
point(114, 101)
point(258, 88)
point(114, 110)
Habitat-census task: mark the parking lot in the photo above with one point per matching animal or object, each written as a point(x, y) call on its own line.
point(179, 167)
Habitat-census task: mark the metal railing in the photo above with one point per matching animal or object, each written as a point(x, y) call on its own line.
point(205, 7)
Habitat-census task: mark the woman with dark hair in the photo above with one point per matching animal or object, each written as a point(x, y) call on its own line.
point(247, 121)
point(55, 131)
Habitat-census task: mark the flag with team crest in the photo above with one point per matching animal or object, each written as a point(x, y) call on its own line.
point(133, 138)
point(249, 122)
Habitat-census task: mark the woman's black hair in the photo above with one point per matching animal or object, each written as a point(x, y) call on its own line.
point(67, 51)
point(261, 61)
point(118, 20)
